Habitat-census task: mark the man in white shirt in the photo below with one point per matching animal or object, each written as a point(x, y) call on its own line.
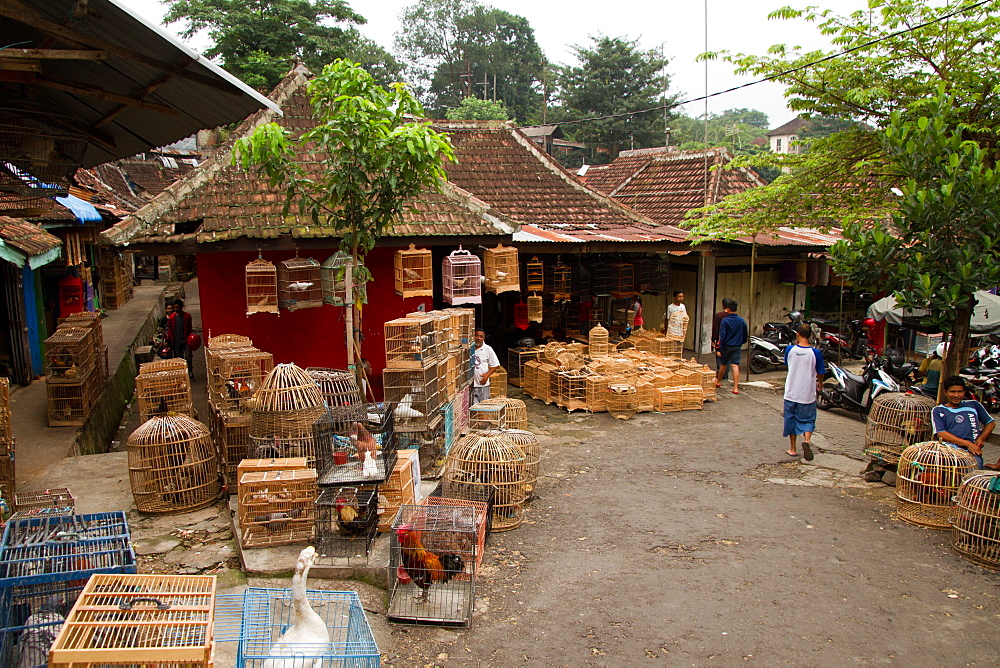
point(485, 362)
point(677, 306)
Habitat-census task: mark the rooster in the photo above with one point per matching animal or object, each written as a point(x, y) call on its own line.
point(355, 517)
point(421, 566)
point(308, 636)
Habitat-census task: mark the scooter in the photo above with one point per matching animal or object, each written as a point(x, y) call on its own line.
point(766, 354)
point(853, 392)
point(984, 386)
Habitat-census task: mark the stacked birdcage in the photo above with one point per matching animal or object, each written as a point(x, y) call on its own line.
point(516, 359)
point(515, 414)
point(300, 283)
point(412, 343)
point(597, 340)
point(6, 443)
point(414, 272)
point(707, 377)
point(276, 507)
point(482, 510)
point(288, 416)
point(490, 459)
point(692, 397)
point(334, 279)
point(975, 519)
point(432, 564)
point(501, 269)
point(463, 325)
point(488, 416)
point(622, 279)
point(338, 387)
point(57, 497)
point(116, 278)
point(363, 450)
point(668, 399)
point(273, 464)
point(927, 477)
point(73, 374)
point(172, 465)
point(235, 375)
point(461, 278)
point(162, 620)
point(400, 489)
point(346, 522)
point(230, 428)
point(164, 392)
point(262, 287)
point(895, 422)
point(416, 395)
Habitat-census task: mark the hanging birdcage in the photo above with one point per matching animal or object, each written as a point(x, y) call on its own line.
point(927, 478)
point(562, 281)
point(300, 284)
point(262, 287)
point(600, 278)
point(535, 275)
point(461, 278)
point(654, 275)
point(490, 459)
point(975, 519)
point(414, 272)
point(622, 279)
point(334, 273)
point(501, 269)
point(583, 281)
point(897, 421)
point(535, 308)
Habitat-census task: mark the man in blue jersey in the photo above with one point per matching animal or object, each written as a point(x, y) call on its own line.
point(961, 423)
point(733, 334)
point(804, 380)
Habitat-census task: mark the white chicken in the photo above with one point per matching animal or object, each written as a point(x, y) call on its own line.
point(300, 285)
point(405, 409)
point(308, 635)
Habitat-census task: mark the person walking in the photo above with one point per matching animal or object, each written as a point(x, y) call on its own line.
point(804, 380)
point(961, 423)
point(179, 327)
point(485, 362)
point(733, 334)
point(716, 324)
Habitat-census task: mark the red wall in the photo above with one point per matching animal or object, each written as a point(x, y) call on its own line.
point(307, 337)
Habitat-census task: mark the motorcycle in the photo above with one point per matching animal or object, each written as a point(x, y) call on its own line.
point(766, 354)
point(983, 385)
point(853, 392)
point(860, 340)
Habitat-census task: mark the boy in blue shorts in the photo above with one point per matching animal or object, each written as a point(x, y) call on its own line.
point(804, 380)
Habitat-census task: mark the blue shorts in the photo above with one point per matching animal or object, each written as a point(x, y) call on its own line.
point(730, 354)
point(799, 418)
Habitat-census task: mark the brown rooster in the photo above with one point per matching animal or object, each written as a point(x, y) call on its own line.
point(421, 566)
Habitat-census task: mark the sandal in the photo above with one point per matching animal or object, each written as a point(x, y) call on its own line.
point(735, 391)
point(807, 451)
point(791, 454)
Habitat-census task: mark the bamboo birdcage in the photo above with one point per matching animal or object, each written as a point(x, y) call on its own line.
point(163, 392)
point(975, 519)
point(515, 412)
point(622, 400)
point(571, 389)
point(488, 416)
point(170, 364)
point(221, 341)
point(399, 489)
point(172, 466)
point(414, 394)
point(562, 281)
point(231, 435)
point(236, 375)
point(601, 278)
point(276, 507)
point(410, 343)
point(334, 279)
point(70, 354)
point(535, 308)
point(300, 284)
point(57, 497)
point(414, 271)
point(535, 275)
point(498, 383)
point(597, 339)
point(304, 432)
point(668, 399)
point(272, 464)
point(677, 326)
point(927, 477)
point(465, 320)
point(122, 620)
point(501, 269)
point(346, 522)
point(654, 275)
point(491, 459)
point(895, 422)
point(482, 510)
point(262, 287)
point(527, 443)
point(516, 359)
point(461, 278)
point(622, 279)
point(286, 387)
point(692, 397)
point(338, 387)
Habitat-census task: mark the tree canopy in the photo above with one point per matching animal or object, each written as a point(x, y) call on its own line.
point(474, 109)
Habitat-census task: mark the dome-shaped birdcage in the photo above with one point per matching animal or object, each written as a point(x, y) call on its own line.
point(338, 387)
point(286, 387)
point(515, 415)
point(288, 416)
point(528, 444)
point(927, 478)
point(897, 421)
point(491, 459)
point(622, 400)
point(975, 519)
point(172, 466)
point(598, 341)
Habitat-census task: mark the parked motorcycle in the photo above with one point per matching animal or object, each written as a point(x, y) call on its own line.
point(984, 387)
point(853, 392)
point(766, 354)
point(895, 364)
point(860, 339)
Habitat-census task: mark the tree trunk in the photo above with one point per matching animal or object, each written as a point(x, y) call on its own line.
point(958, 350)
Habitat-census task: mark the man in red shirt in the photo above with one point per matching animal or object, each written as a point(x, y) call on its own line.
point(178, 329)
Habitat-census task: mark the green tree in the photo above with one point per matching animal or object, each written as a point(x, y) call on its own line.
point(943, 242)
point(474, 109)
point(374, 160)
point(460, 48)
point(259, 40)
point(614, 77)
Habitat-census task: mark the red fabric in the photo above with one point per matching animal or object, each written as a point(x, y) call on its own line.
point(171, 321)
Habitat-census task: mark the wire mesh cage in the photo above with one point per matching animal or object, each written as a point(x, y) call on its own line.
point(358, 456)
point(262, 287)
point(432, 557)
point(276, 507)
point(461, 278)
point(535, 275)
point(410, 343)
point(56, 497)
point(300, 283)
point(562, 281)
point(482, 511)
point(527, 443)
point(897, 421)
point(416, 395)
point(491, 459)
point(334, 274)
point(927, 477)
point(975, 519)
point(597, 340)
point(163, 392)
point(338, 387)
point(622, 400)
point(346, 522)
point(501, 269)
point(414, 271)
point(122, 620)
point(172, 465)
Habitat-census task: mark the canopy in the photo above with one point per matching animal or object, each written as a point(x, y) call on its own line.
point(985, 318)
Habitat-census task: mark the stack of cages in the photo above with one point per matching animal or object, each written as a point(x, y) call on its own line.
point(276, 507)
point(6, 444)
point(73, 377)
point(412, 342)
point(122, 620)
point(164, 391)
point(116, 278)
point(45, 562)
point(491, 462)
point(288, 417)
point(432, 564)
point(300, 284)
point(230, 429)
point(235, 375)
point(402, 488)
point(463, 325)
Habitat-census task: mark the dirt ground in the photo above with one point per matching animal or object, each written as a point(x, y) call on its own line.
point(690, 538)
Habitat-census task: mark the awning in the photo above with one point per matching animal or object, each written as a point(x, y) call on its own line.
point(23, 243)
point(985, 317)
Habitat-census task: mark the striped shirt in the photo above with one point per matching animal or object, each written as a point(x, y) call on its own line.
point(965, 422)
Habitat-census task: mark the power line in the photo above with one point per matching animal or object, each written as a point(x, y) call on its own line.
point(771, 77)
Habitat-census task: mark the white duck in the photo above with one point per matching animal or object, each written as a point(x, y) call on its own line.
point(308, 634)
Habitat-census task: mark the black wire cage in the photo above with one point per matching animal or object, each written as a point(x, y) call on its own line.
point(363, 451)
point(347, 522)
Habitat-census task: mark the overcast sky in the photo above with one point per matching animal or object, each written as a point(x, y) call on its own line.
point(735, 25)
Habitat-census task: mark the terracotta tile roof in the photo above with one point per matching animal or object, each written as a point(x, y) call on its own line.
point(26, 237)
point(152, 176)
point(792, 127)
point(228, 203)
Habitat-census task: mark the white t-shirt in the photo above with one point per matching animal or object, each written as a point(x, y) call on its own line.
point(485, 359)
point(804, 363)
point(675, 308)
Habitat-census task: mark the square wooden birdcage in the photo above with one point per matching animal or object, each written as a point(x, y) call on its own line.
point(273, 464)
point(170, 364)
point(516, 359)
point(692, 397)
point(87, 320)
point(501, 269)
point(562, 281)
point(535, 308)
point(668, 399)
point(927, 478)
point(529, 377)
point(400, 488)
point(262, 287)
point(125, 620)
point(487, 416)
point(498, 383)
point(450, 534)
point(236, 375)
point(221, 341)
point(69, 404)
point(596, 391)
point(442, 325)
point(70, 355)
point(535, 275)
point(163, 392)
point(414, 395)
point(300, 284)
point(463, 325)
point(414, 270)
point(622, 278)
point(572, 392)
point(895, 422)
point(654, 275)
point(975, 520)
point(334, 279)
point(346, 522)
point(410, 343)
point(276, 507)
point(644, 389)
point(707, 377)
point(461, 278)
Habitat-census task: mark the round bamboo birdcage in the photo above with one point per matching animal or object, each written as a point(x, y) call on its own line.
point(975, 519)
point(286, 387)
point(927, 478)
point(622, 400)
point(338, 387)
point(498, 383)
point(303, 432)
point(528, 444)
point(490, 459)
point(552, 350)
point(896, 422)
point(598, 341)
point(172, 466)
point(516, 414)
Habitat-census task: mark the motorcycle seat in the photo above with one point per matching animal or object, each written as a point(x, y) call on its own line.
point(979, 371)
point(855, 377)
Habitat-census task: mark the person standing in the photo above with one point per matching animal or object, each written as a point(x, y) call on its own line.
point(179, 327)
point(805, 378)
point(733, 334)
point(964, 424)
point(485, 362)
point(676, 306)
point(716, 324)
point(637, 321)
